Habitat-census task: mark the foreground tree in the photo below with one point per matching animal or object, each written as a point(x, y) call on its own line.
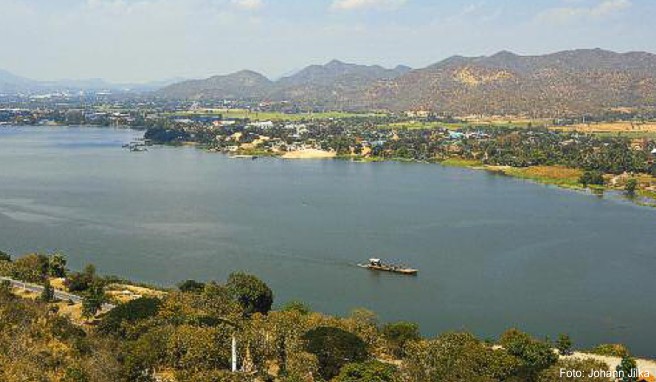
point(334, 348)
point(31, 268)
point(372, 371)
point(93, 300)
point(57, 265)
point(399, 334)
point(191, 286)
point(252, 293)
point(458, 357)
point(535, 355)
point(564, 344)
point(48, 292)
point(627, 370)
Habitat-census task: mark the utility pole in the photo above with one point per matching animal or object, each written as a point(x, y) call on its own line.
point(234, 353)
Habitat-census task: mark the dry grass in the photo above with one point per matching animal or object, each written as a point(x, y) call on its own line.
point(558, 175)
point(613, 127)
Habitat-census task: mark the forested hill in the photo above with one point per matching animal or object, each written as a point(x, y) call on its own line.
point(558, 84)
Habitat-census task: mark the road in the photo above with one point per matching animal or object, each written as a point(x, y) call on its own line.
point(59, 294)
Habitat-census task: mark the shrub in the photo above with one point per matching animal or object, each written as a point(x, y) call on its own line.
point(372, 371)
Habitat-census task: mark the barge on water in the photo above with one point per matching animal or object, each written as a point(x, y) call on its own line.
point(379, 265)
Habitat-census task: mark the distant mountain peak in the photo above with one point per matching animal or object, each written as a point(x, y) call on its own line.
point(335, 63)
point(505, 54)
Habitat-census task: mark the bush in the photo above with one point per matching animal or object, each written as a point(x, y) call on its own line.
point(334, 348)
point(372, 371)
point(4, 256)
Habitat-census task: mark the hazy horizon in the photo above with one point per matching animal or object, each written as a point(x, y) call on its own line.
point(136, 41)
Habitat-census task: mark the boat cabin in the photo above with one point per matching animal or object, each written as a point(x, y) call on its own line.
point(375, 262)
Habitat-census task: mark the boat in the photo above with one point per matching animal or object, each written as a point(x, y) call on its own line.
point(379, 265)
point(253, 157)
point(135, 146)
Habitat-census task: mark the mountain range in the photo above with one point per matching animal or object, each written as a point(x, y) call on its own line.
point(558, 84)
point(13, 84)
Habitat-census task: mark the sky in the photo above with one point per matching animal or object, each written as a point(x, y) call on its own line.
point(149, 40)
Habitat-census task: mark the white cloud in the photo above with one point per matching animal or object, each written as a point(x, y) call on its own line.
point(348, 5)
point(600, 10)
point(248, 4)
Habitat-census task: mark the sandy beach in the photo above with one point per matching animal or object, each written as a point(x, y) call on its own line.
point(309, 154)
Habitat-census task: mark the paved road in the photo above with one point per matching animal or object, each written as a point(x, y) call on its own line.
point(60, 295)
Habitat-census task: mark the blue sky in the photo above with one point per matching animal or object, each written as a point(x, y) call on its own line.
point(143, 40)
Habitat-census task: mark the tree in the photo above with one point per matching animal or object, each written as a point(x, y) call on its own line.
point(191, 286)
point(79, 282)
point(74, 374)
point(399, 334)
point(31, 268)
point(253, 294)
point(57, 265)
point(296, 306)
point(564, 344)
point(48, 292)
point(631, 186)
point(372, 371)
point(535, 355)
point(93, 300)
point(4, 256)
point(458, 357)
point(334, 347)
point(129, 313)
point(627, 370)
point(592, 177)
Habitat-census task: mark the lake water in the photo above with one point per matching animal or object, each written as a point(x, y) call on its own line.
point(493, 252)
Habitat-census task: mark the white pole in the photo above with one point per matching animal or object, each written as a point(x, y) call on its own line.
point(234, 353)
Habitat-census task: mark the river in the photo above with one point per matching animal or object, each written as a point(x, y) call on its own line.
point(493, 252)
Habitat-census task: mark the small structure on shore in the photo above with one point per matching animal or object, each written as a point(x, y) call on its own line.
point(379, 265)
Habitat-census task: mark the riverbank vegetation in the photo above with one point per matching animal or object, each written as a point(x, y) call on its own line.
point(564, 158)
point(185, 334)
